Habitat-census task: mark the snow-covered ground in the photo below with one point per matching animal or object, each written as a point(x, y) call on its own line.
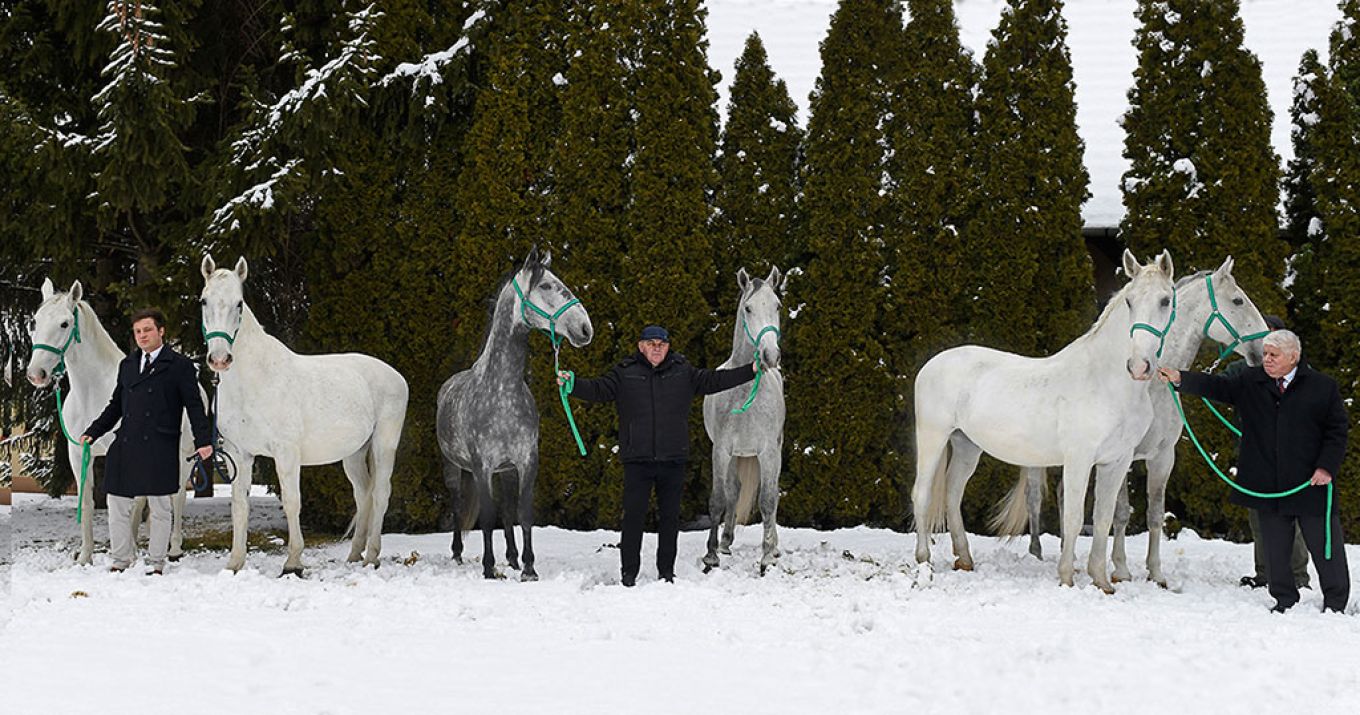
point(838, 627)
point(1103, 58)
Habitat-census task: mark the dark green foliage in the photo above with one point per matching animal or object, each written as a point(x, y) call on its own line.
point(841, 392)
point(1302, 224)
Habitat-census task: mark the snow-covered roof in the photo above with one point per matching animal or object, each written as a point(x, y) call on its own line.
point(1103, 58)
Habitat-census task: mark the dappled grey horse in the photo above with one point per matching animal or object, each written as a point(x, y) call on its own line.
point(487, 420)
point(746, 424)
point(1209, 304)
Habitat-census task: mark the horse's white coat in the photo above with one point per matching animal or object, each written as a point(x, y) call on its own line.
point(1087, 405)
point(300, 410)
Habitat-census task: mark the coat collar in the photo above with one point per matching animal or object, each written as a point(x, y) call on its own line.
point(162, 361)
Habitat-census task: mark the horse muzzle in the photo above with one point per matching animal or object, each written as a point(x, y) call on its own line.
point(219, 362)
point(769, 358)
point(1140, 369)
point(581, 335)
point(40, 377)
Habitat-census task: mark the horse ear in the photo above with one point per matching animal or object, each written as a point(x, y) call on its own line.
point(533, 256)
point(784, 283)
point(76, 292)
point(1131, 267)
point(208, 266)
point(547, 258)
point(773, 278)
point(1164, 263)
point(47, 289)
point(743, 280)
point(241, 268)
point(1224, 270)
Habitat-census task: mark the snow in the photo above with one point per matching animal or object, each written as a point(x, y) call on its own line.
point(1100, 38)
point(838, 626)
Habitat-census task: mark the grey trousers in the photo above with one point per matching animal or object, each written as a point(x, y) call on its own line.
point(1298, 561)
point(123, 536)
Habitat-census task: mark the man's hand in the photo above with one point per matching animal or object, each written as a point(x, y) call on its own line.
point(1321, 477)
point(85, 439)
point(563, 376)
point(205, 452)
point(1166, 374)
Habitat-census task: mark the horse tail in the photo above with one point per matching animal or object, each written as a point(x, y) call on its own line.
point(937, 514)
point(1011, 517)
point(748, 474)
point(469, 505)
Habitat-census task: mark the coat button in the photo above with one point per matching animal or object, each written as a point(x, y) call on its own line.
point(145, 438)
point(148, 414)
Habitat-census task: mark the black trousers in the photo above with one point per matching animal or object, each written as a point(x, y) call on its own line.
point(1277, 535)
point(639, 479)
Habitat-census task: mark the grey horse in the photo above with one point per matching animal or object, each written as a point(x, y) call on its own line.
point(746, 424)
point(487, 420)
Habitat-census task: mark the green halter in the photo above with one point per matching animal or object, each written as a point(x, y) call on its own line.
point(563, 390)
point(1238, 339)
point(71, 337)
point(1161, 334)
point(755, 343)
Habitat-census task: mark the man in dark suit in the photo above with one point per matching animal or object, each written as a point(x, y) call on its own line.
point(653, 391)
point(156, 385)
point(1294, 428)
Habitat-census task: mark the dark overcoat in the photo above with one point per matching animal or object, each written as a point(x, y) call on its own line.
point(654, 402)
point(144, 459)
point(1284, 437)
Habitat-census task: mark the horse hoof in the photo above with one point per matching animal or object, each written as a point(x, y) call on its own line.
point(458, 559)
point(295, 571)
point(1161, 583)
point(961, 565)
point(762, 569)
point(1107, 589)
point(528, 575)
point(725, 551)
point(172, 558)
point(492, 575)
point(512, 563)
point(708, 568)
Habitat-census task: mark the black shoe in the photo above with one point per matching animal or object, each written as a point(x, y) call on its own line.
point(629, 580)
point(1252, 582)
point(1279, 608)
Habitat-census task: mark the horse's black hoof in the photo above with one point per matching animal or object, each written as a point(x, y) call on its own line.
point(291, 572)
point(512, 563)
point(173, 559)
point(528, 576)
point(707, 568)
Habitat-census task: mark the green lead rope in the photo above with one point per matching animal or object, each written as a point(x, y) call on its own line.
point(1260, 495)
point(84, 458)
point(755, 343)
point(563, 390)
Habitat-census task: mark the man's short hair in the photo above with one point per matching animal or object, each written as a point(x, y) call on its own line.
point(1285, 340)
point(154, 314)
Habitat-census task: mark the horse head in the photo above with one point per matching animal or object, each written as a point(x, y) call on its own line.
point(546, 303)
point(1234, 316)
point(223, 302)
point(758, 314)
point(1150, 298)
point(55, 328)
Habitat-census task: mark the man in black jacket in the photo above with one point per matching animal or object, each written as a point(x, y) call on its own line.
point(156, 385)
point(653, 391)
point(1294, 429)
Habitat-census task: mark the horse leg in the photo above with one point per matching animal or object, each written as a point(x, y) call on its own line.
point(1109, 478)
point(356, 469)
point(507, 493)
point(382, 458)
point(240, 509)
point(1159, 472)
point(961, 467)
point(289, 467)
point(732, 491)
point(453, 480)
point(486, 519)
point(528, 475)
point(1122, 511)
point(86, 553)
point(717, 505)
point(1034, 499)
point(770, 466)
point(176, 551)
point(930, 459)
point(1076, 474)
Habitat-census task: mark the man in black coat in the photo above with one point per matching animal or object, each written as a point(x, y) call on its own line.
point(156, 385)
point(1294, 428)
point(653, 391)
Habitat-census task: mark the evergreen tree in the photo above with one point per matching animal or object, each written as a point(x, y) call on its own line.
point(1203, 182)
point(842, 390)
point(1302, 224)
point(758, 175)
point(1344, 55)
point(589, 203)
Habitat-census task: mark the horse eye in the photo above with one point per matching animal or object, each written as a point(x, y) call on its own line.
point(1129, 303)
point(748, 309)
point(1166, 302)
point(1238, 301)
point(65, 323)
point(239, 304)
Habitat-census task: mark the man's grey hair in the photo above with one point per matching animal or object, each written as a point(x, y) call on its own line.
point(1285, 340)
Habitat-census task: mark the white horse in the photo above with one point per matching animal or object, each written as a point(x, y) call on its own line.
point(1209, 304)
point(1087, 405)
point(747, 445)
point(300, 410)
point(67, 331)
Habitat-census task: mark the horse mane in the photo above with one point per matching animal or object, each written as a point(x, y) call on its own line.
point(490, 301)
point(1190, 278)
point(1112, 303)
